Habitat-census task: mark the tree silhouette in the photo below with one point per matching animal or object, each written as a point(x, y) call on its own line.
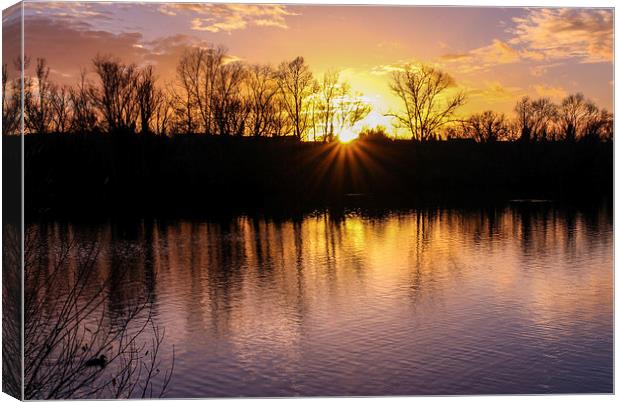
point(351, 109)
point(38, 99)
point(216, 94)
point(327, 110)
point(487, 126)
point(543, 115)
point(262, 92)
point(117, 96)
point(11, 101)
point(61, 108)
point(229, 108)
point(148, 98)
point(295, 81)
point(580, 117)
point(427, 105)
point(524, 118)
point(84, 117)
point(66, 325)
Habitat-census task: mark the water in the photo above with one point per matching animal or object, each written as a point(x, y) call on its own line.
point(517, 299)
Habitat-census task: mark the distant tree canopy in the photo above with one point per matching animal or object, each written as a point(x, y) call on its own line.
point(216, 94)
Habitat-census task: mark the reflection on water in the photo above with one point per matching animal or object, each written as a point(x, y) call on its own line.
point(510, 300)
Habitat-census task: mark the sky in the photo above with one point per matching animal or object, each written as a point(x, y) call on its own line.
point(496, 55)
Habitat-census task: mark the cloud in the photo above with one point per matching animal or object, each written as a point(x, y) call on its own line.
point(566, 33)
point(498, 52)
point(71, 10)
point(542, 69)
point(385, 69)
point(69, 47)
point(547, 91)
point(231, 17)
point(494, 92)
point(550, 35)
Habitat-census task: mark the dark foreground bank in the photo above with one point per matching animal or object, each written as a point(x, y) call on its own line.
point(108, 175)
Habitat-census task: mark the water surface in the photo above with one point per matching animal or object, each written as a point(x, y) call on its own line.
point(516, 299)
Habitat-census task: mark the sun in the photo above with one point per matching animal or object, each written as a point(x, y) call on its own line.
point(347, 136)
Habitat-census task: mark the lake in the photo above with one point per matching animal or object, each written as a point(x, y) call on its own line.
point(509, 299)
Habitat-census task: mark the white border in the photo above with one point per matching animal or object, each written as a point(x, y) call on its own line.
point(484, 3)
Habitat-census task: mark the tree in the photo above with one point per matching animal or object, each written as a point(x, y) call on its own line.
point(295, 82)
point(543, 114)
point(327, 109)
point(423, 91)
point(199, 71)
point(487, 126)
point(11, 101)
point(184, 99)
point(117, 96)
point(228, 106)
point(83, 118)
point(524, 112)
point(38, 99)
point(262, 90)
point(350, 109)
point(580, 117)
point(148, 98)
point(163, 122)
point(72, 350)
point(61, 109)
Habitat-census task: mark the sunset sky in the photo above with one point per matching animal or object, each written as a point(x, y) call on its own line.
point(495, 54)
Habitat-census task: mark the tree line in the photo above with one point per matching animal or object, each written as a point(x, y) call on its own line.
point(430, 105)
point(213, 93)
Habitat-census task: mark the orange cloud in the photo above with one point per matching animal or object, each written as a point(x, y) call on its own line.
point(547, 91)
point(231, 17)
point(567, 33)
point(494, 92)
point(482, 58)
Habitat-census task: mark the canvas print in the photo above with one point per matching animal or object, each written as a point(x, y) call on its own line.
point(266, 200)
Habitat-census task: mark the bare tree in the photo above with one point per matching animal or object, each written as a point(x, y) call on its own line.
point(11, 101)
point(61, 109)
point(72, 349)
point(543, 114)
point(598, 124)
point(199, 71)
point(228, 106)
point(261, 94)
point(280, 122)
point(163, 116)
point(605, 126)
point(350, 109)
point(116, 96)
point(580, 117)
point(314, 109)
point(327, 108)
point(295, 82)
point(38, 99)
point(487, 126)
point(148, 97)
point(524, 118)
point(423, 91)
point(184, 98)
point(11, 309)
point(84, 117)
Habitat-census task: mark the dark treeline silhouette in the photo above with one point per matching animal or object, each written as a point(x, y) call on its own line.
point(215, 94)
point(228, 133)
point(212, 94)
